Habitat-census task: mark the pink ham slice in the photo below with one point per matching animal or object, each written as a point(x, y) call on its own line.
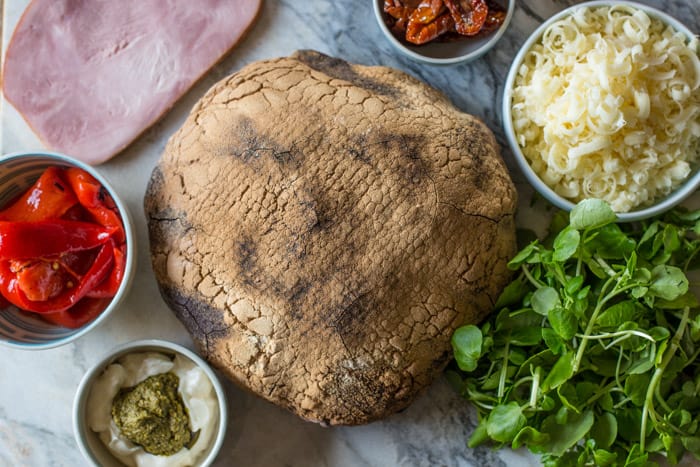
point(89, 76)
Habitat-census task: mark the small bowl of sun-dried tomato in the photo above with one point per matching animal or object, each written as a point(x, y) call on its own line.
point(67, 249)
point(443, 32)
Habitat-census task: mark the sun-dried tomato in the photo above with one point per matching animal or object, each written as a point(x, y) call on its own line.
point(420, 22)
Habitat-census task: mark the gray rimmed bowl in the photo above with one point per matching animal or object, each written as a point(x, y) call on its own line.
point(660, 205)
point(23, 330)
point(446, 53)
point(89, 442)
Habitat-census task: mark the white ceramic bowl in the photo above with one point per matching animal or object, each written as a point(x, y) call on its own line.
point(89, 442)
point(446, 53)
point(18, 329)
point(660, 205)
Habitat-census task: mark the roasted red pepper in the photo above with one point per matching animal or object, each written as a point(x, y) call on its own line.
point(109, 286)
point(83, 312)
point(21, 240)
point(13, 289)
point(62, 248)
point(95, 198)
point(49, 198)
point(40, 280)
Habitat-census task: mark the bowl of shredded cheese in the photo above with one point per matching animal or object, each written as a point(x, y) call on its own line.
point(603, 101)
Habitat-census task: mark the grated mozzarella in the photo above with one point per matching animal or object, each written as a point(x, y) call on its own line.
point(607, 105)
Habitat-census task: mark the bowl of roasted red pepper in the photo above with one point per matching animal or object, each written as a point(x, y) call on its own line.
point(443, 32)
point(66, 249)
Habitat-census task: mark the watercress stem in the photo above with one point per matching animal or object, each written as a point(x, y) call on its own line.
point(648, 408)
point(591, 323)
point(504, 371)
point(620, 354)
point(579, 265)
point(690, 259)
point(626, 334)
point(535, 386)
point(603, 391)
point(530, 278)
point(692, 358)
point(660, 399)
point(605, 266)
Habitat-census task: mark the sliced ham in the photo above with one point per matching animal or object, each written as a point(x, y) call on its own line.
point(89, 76)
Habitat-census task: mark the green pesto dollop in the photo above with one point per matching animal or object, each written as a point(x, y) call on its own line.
point(152, 415)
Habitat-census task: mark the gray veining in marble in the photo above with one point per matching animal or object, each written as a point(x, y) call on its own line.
point(37, 388)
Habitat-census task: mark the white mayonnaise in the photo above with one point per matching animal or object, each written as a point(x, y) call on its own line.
point(195, 389)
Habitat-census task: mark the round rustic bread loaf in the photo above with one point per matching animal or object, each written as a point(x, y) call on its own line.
point(321, 229)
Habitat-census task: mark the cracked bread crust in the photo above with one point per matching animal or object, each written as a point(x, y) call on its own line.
point(321, 228)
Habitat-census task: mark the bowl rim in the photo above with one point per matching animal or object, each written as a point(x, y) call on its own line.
point(682, 192)
point(145, 345)
point(131, 249)
point(468, 57)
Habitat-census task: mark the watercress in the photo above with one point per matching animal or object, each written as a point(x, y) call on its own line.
point(591, 355)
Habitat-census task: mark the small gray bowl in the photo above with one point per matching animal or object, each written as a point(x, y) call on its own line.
point(19, 329)
point(446, 53)
point(89, 442)
point(660, 205)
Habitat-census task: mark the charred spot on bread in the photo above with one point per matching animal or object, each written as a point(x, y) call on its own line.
point(340, 69)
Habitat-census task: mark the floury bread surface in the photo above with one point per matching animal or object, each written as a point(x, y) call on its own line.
point(321, 228)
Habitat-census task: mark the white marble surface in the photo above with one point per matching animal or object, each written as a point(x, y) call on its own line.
point(37, 388)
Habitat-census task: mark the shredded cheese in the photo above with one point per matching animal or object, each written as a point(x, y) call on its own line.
point(607, 105)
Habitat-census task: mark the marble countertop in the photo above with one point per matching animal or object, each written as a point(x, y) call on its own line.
point(37, 389)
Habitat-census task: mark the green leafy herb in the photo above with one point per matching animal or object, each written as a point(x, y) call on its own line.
point(592, 355)
point(467, 344)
